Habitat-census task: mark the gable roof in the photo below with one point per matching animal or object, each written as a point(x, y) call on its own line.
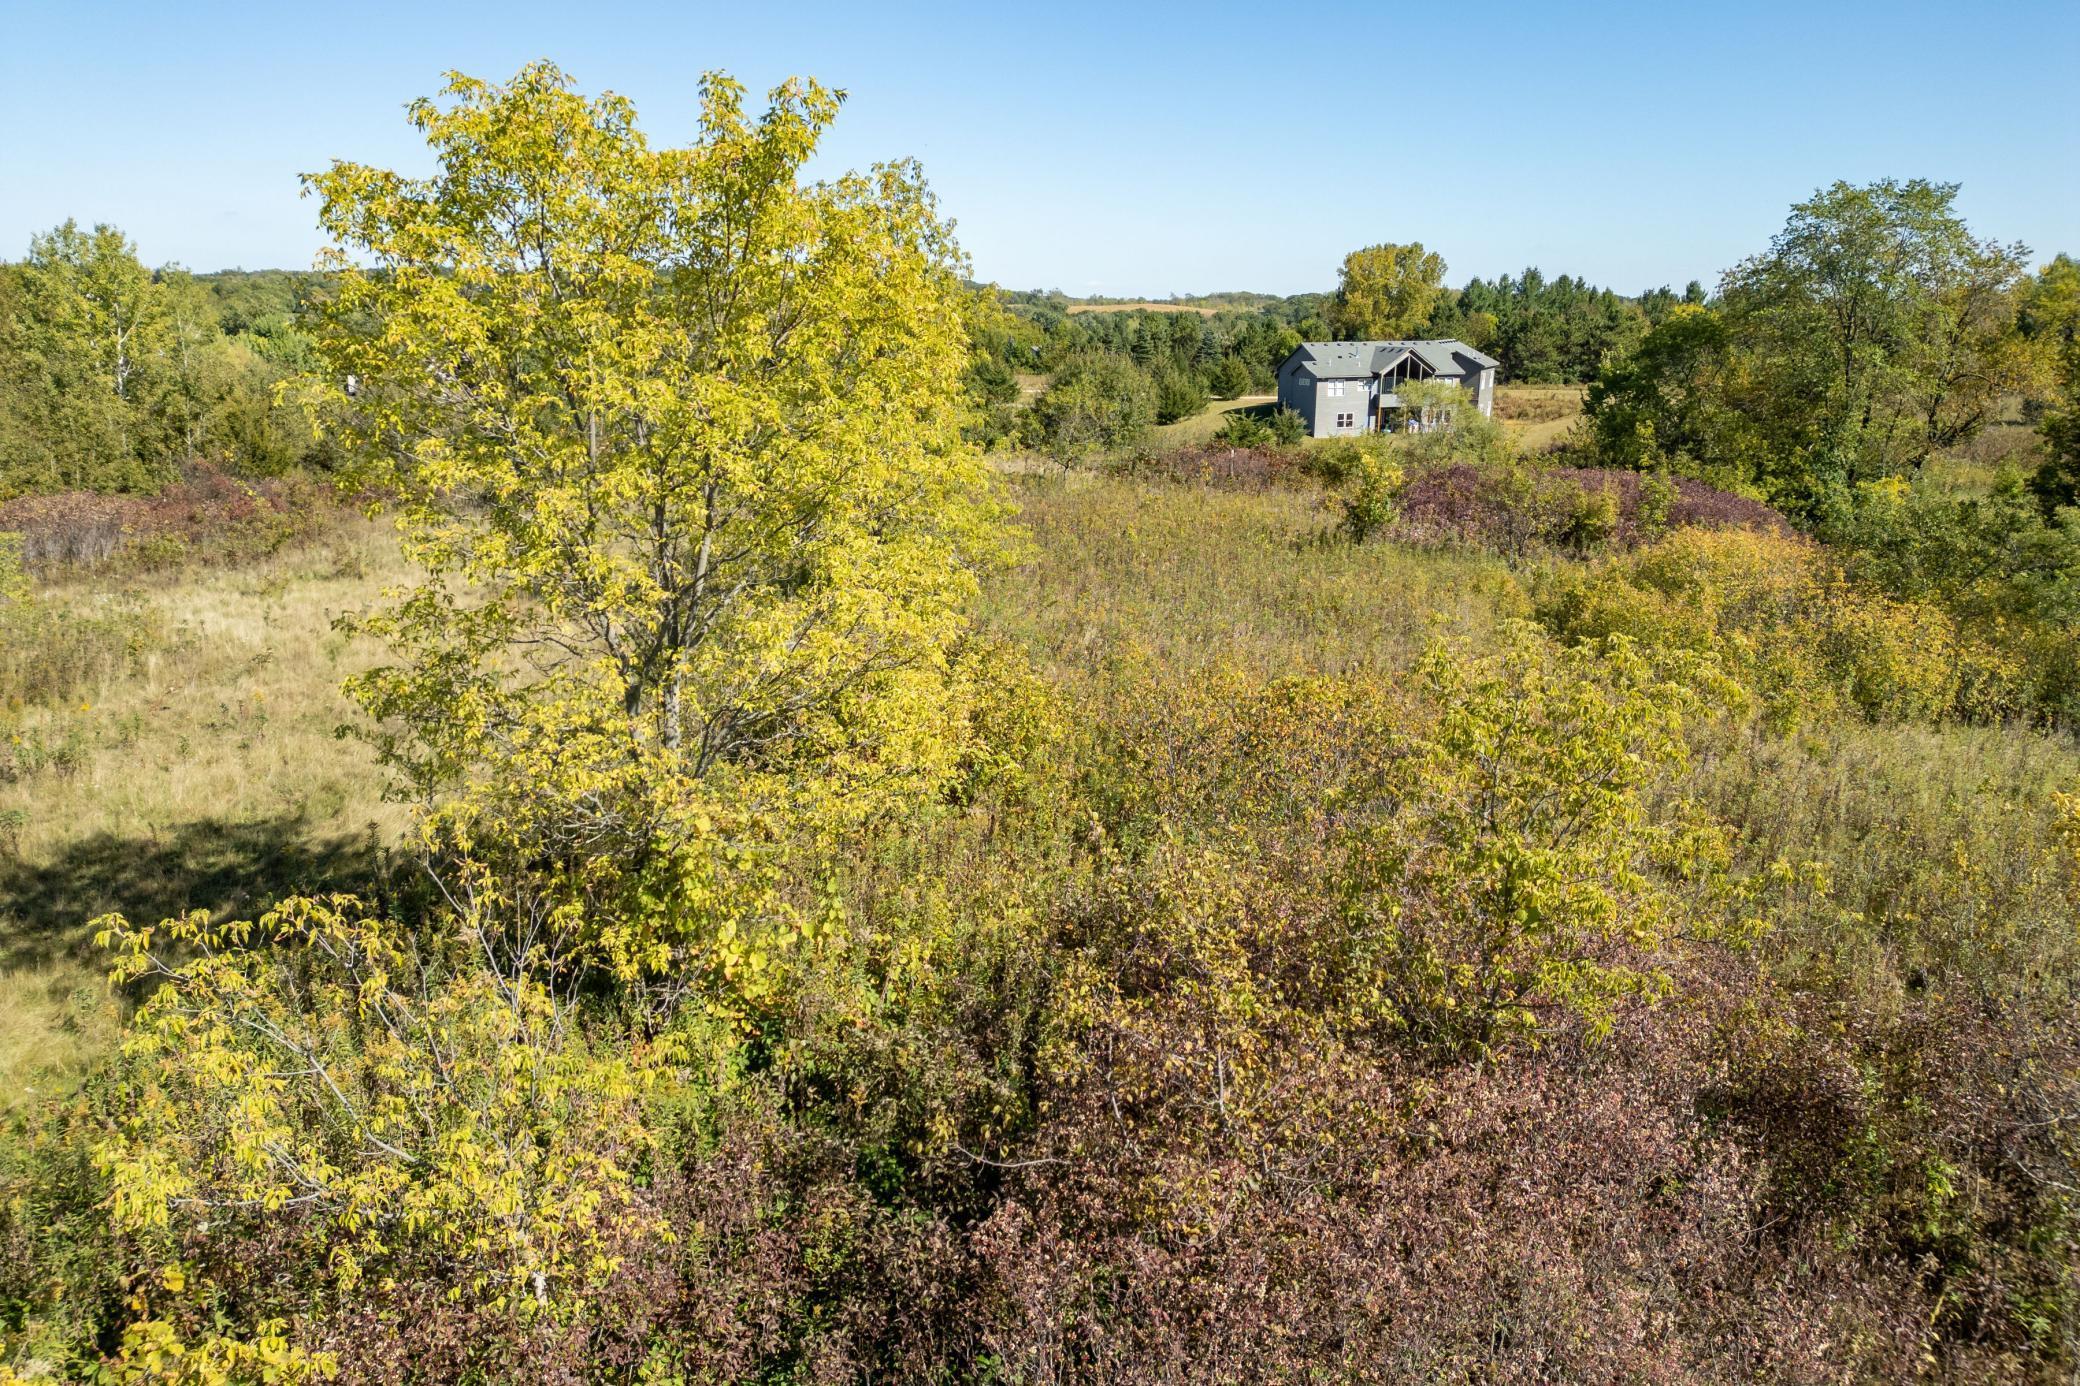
point(1363, 360)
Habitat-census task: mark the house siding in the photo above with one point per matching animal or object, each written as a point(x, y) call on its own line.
point(1356, 401)
point(1296, 390)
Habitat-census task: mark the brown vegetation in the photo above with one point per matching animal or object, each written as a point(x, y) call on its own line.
point(206, 513)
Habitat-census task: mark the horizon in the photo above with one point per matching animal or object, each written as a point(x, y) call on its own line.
point(1099, 153)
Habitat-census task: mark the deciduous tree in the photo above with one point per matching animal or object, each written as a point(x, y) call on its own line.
point(1386, 291)
point(676, 434)
point(84, 340)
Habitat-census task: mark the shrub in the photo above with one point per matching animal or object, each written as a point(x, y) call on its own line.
point(202, 513)
point(1654, 511)
point(1517, 507)
point(2056, 481)
point(378, 1112)
point(1251, 468)
point(1375, 481)
point(1248, 428)
point(1439, 425)
point(1230, 378)
point(1179, 395)
point(1790, 624)
point(1592, 517)
point(1095, 403)
point(1242, 429)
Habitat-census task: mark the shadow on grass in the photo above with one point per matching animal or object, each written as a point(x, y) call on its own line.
point(232, 869)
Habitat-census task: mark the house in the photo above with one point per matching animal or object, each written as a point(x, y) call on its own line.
point(1345, 388)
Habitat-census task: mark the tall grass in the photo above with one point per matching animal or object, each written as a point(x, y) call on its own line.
point(1101, 1063)
point(1196, 575)
point(167, 748)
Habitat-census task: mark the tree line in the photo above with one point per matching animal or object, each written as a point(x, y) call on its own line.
point(114, 374)
point(1155, 366)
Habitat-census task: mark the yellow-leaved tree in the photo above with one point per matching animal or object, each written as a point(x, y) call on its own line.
point(676, 435)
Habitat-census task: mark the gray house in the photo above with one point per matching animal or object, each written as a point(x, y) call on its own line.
point(1345, 388)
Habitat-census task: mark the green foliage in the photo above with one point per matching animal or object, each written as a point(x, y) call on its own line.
point(113, 375)
point(1095, 404)
point(1372, 479)
point(1657, 498)
point(1546, 331)
point(1678, 403)
point(1439, 423)
point(1262, 428)
point(85, 342)
point(1519, 875)
point(1230, 378)
point(1874, 331)
point(1179, 395)
point(2056, 481)
point(992, 383)
point(2051, 322)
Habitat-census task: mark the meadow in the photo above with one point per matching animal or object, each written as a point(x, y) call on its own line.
point(194, 764)
point(200, 763)
point(850, 852)
point(1882, 881)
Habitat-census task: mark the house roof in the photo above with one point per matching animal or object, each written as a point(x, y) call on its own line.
point(1362, 360)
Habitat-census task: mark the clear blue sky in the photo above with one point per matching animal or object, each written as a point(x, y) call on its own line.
point(1116, 148)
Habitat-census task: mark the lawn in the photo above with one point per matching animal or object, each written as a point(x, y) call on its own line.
point(1201, 427)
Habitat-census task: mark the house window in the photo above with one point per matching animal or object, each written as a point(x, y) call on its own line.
point(1346, 420)
point(1335, 388)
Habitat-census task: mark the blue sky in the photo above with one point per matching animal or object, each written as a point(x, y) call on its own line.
point(1114, 148)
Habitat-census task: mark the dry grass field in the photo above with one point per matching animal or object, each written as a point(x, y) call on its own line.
point(1145, 307)
point(205, 775)
point(1538, 416)
point(209, 773)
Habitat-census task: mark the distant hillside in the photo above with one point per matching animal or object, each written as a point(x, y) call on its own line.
point(1233, 300)
point(1139, 307)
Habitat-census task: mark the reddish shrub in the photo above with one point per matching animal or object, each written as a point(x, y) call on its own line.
point(1550, 1219)
point(1248, 469)
point(1512, 508)
point(207, 512)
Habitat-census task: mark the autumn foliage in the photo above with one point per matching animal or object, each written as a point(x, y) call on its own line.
point(848, 941)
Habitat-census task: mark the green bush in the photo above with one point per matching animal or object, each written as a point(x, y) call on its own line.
point(1230, 378)
point(1179, 395)
point(1657, 500)
point(1096, 403)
